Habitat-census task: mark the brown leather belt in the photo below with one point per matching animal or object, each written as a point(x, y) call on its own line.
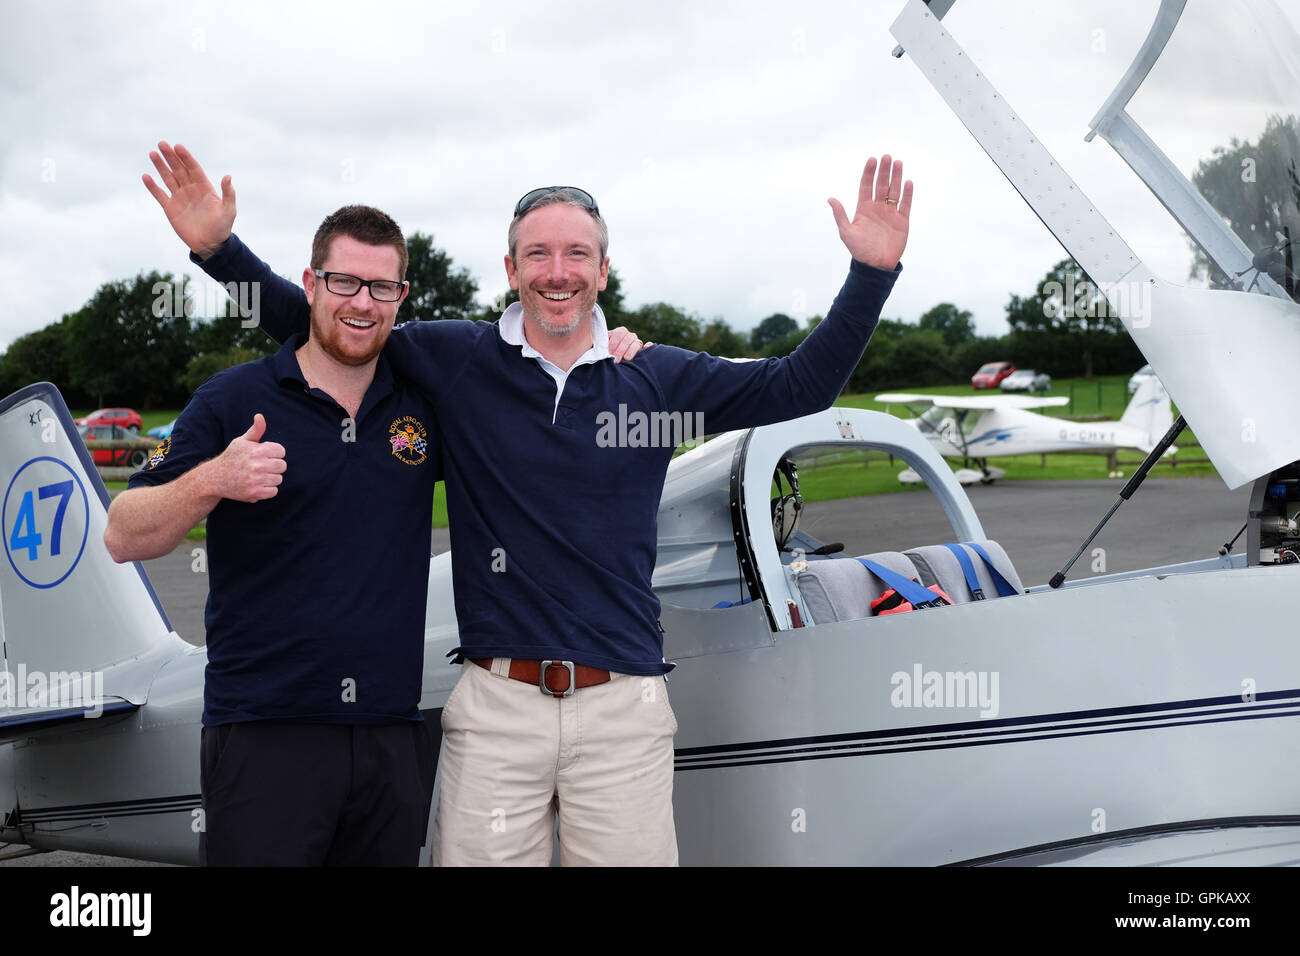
point(557, 678)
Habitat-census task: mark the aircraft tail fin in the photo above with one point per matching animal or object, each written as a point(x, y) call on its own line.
point(1149, 412)
point(75, 627)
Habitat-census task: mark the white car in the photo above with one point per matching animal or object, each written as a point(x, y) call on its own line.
point(1026, 380)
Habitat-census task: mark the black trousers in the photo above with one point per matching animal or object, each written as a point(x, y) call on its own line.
point(288, 793)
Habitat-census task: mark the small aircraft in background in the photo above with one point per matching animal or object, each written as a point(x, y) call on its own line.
point(979, 427)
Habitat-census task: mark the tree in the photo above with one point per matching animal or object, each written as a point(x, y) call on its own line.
point(492, 311)
point(126, 345)
point(207, 364)
point(719, 338)
point(38, 356)
point(224, 333)
point(774, 327)
point(902, 355)
point(954, 324)
point(438, 291)
point(665, 324)
point(788, 343)
point(610, 300)
point(1066, 317)
point(220, 343)
point(979, 351)
point(1256, 187)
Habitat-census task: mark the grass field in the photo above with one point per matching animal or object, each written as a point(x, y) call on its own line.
point(857, 473)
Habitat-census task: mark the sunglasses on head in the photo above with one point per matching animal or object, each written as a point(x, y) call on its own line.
point(570, 193)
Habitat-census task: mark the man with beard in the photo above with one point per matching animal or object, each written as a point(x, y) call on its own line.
point(314, 751)
point(553, 519)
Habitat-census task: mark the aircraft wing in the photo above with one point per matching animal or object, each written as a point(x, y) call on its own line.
point(973, 401)
point(21, 723)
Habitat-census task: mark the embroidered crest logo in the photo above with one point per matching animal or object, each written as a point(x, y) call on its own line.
point(158, 454)
point(409, 440)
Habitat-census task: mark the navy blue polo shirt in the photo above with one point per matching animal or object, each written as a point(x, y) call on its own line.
point(553, 498)
point(316, 599)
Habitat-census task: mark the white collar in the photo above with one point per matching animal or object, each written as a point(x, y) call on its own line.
point(511, 328)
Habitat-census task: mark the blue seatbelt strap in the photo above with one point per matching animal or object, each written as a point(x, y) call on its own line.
point(913, 593)
point(968, 569)
point(1003, 585)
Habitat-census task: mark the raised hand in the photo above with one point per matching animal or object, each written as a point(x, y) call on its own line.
point(200, 217)
point(250, 469)
point(877, 235)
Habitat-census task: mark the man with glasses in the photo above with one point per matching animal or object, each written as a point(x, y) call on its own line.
point(314, 751)
point(553, 520)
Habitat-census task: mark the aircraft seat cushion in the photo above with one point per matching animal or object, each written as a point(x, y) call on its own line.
point(937, 565)
point(842, 589)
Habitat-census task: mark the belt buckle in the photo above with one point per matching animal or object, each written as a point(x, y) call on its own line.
point(546, 668)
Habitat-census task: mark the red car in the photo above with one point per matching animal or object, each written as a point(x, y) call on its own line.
point(133, 457)
point(991, 374)
point(127, 418)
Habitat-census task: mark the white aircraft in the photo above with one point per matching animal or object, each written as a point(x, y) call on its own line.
point(1137, 717)
point(979, 427)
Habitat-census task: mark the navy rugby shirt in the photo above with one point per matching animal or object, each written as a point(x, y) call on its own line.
point(553, 532)
point(325, 583)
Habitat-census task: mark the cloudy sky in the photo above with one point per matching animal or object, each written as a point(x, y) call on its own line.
point(710, 133)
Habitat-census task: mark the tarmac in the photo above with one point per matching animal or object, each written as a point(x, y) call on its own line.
point(1039, 523)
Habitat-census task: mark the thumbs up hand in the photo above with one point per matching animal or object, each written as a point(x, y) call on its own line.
point(250, 469)
point(256, 430)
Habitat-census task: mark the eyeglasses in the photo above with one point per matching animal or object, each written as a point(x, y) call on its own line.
point(570, 193)
point(381, 290)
